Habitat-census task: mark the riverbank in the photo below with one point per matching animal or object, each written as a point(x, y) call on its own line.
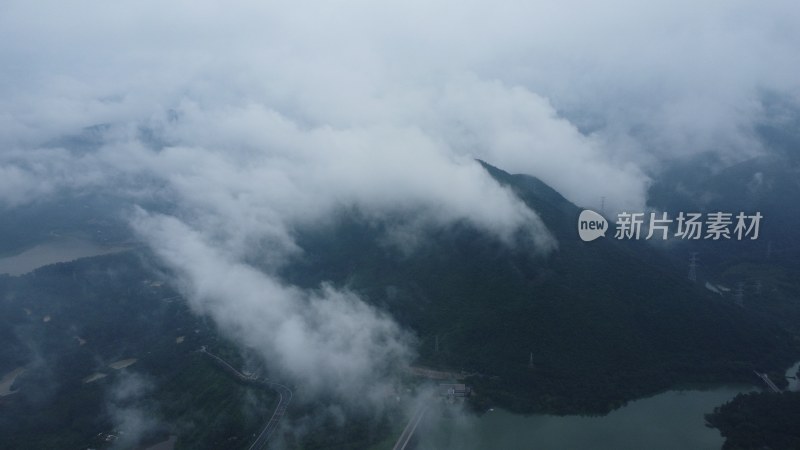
point(51, 252)
point(672, 419)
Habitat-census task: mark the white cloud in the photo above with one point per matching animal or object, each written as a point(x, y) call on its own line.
point(274, 115)
point(133, 417)
point(329, 342)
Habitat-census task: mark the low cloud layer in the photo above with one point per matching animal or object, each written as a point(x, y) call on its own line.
point(132, 416)
point(254, 118)
point(328, 342)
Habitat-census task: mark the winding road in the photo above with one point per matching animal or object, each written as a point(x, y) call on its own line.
point(284, 398)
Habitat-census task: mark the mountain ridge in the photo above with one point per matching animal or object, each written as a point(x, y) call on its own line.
point(607, 321)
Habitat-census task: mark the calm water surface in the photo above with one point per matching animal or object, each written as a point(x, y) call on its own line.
point(52, 252)
point(668, 421)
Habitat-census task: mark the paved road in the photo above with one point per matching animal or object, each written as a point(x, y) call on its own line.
point(768, 382)
point(229, 368)
point(284, 398)
point(408, 432)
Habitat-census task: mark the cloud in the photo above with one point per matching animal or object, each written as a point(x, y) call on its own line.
point(643, 83)
point(328, 341)
point(132, 417)
point(254, 118)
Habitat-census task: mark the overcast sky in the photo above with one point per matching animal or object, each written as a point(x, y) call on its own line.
point(272, 115)
point(508, 83)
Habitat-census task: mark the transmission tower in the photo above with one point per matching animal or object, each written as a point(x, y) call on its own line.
point(739, 295)
point(693, 267)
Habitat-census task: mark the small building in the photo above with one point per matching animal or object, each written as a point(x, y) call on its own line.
point(454, 390)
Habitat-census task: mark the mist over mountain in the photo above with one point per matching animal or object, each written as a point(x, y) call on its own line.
point(606, 322)
point(341, 191)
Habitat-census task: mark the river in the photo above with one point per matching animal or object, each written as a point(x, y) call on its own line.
point(670, 420)
point(52, 252)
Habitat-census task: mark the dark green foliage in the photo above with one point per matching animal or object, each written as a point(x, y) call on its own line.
point(606, 321)
point(113, 304)
point(759, 421)
point(330, 431)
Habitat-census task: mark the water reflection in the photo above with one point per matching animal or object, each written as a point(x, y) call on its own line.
point(52, 252)
point(670, 420)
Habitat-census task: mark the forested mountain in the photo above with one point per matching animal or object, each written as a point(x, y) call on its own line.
point(606, 321)
point(759, 420)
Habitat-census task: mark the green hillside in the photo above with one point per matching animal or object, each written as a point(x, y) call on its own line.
point(606, 321)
